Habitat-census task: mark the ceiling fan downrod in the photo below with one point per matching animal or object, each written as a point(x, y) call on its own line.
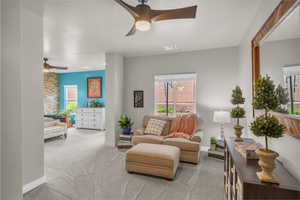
point(143, 1)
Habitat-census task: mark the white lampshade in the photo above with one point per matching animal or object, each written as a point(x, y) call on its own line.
point(222, 117)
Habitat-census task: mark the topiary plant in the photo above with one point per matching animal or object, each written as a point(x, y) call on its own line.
point(266, 99)
point(237, 112)
point(266, 126)
point(283, 98)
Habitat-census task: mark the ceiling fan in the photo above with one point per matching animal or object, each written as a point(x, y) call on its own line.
point(47, 67)
point(144, 15)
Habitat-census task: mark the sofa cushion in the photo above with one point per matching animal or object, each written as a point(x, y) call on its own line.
point(139, 131)
point(153, 139)
point(53, 129)
point(154, 154)
point(183, 144)
point(155, 127)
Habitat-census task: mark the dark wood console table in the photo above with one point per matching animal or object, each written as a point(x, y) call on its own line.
point(241, 182)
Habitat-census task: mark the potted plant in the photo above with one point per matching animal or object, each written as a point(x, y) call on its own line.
point(95, 104)
point(125, 124)
point(213, 143)
point(283, 98)
point(238, 112)
point(266, 126)
point(69, 114)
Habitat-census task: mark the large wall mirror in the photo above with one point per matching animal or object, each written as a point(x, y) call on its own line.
point(276, 53)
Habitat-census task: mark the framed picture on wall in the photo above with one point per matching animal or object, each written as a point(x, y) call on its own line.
point(138, 96)
point(94, 87)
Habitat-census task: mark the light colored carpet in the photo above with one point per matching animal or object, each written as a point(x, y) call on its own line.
point(82, 168)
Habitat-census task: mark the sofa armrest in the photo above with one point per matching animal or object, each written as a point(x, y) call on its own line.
point(197, 136)
point(61, 124)
point(139, 131)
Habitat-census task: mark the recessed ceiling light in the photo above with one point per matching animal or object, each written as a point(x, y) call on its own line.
point(170, 47)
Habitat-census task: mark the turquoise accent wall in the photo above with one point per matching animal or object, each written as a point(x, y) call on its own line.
point(80, 79)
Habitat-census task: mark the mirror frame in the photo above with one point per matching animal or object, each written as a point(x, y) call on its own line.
point(284, 8)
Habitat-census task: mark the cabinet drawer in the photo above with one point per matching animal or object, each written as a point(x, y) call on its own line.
point(94, 125)
point(98, 110)
point(81, 125)
point(83, 115)
point(94, 115)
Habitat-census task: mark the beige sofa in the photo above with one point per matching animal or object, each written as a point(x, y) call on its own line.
point(54, 128)
point(190, 149)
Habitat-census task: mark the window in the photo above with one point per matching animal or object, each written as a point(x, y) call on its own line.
point(292, 83)
point(71, 95)
point(175, 94)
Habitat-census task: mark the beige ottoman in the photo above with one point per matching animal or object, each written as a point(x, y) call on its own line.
point(153, 159)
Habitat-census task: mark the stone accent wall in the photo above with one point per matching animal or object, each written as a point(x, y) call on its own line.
point(51, 93)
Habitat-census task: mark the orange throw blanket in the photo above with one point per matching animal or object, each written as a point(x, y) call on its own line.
point(183, 126)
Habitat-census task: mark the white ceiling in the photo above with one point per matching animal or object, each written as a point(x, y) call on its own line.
point(287, 29)
point(77, 33)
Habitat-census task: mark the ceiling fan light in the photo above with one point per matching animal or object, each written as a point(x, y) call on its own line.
point(143, 25)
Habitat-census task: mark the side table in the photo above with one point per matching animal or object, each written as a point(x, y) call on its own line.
point(125, 141)
point(219, 151)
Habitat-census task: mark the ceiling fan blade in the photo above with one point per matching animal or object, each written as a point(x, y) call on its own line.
point(132, 10)
point(132, 31)
point(56, 67)
point(181, 13)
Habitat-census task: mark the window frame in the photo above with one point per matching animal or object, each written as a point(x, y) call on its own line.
point(66, 94)
point(195, 78)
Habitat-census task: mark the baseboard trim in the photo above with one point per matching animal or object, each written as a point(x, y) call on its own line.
point(205, 148)
point(34, 184)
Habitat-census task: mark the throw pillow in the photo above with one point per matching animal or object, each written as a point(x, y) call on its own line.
point(185, 124)
point(155, 127)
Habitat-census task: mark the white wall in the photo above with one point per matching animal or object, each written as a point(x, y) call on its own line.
point(287, 147)
point(0, 99)
point(114, 96)
point(11, 103)
point(32, 90)
point(277, 54)
point(21, 90)
point(216, 76)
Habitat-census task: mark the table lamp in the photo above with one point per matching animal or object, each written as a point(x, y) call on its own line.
point(222, 117)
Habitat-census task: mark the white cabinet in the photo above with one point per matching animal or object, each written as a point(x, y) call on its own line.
point(90, 118)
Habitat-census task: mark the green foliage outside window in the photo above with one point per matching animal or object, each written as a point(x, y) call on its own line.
point(162, 109)
point(71, 108)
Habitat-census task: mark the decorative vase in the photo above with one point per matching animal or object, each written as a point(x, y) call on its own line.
point(213, 147)
point(127, 131)
point(238, 133)
point(267, 163)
